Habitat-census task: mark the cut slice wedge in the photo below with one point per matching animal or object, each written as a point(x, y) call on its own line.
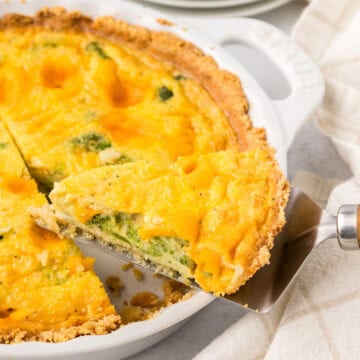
point(48, 290)
point(210, 218)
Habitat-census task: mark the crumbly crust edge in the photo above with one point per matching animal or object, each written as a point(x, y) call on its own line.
point(92, 327)
point(275, 222)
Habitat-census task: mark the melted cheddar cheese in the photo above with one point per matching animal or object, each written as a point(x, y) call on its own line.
point(223, 204)
point(73, 102)
point(48, 290)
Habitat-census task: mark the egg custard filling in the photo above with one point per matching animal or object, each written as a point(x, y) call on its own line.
point(48, 290)
point(75, 99)
point(209, 218)
point(147, 145)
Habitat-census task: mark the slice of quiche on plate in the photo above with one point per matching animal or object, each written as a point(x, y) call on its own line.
point(210, 218)
point(48, 290)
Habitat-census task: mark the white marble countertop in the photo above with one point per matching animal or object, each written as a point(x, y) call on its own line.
point(311, 151)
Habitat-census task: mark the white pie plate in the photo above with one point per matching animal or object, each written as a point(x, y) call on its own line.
point(280, 118)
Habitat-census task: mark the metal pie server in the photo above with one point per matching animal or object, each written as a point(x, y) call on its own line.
point(307, 226)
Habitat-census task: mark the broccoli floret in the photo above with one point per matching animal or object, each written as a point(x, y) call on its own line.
point(157, 247)
point(120, 218)
point(96, 48)
point(132, 234)
point(164, 93)
point(108, 225)
point(91, 142)
point(3, 146)
point(123, 159)
point(111, 156)
point(179, 77)
point(187, 261)
point(99, 220)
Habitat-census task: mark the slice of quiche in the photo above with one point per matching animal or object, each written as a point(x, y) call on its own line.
point(210, 218)
point(97, 92)
point(48, 290)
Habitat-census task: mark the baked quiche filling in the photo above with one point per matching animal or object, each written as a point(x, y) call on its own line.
point(211, 218)
point(82, 101)
point(48, 290)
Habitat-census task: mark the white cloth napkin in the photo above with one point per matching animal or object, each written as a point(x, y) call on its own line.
point(319, 318)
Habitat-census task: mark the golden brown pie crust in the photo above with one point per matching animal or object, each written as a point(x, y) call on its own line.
point(92, 327)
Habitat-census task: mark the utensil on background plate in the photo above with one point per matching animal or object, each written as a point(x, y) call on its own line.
point(280, 118)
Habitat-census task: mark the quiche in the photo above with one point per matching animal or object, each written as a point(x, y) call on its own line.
point(209, 218)
point(48, 290)
point(147, 145)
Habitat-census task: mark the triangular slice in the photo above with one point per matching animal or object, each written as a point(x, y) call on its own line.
point(210, 218)
point(48, 290)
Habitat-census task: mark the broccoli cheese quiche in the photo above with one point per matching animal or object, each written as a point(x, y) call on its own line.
point(48, 290)
point(148, 146)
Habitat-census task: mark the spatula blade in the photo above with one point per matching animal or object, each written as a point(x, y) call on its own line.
point(307, 226)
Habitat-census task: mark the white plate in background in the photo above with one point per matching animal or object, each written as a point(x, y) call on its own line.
point(201, 4)
point(249, 9)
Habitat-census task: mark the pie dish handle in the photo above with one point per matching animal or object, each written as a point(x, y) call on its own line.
point(304, 78)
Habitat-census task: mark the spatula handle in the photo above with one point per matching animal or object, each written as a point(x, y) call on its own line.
point(348, 226)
